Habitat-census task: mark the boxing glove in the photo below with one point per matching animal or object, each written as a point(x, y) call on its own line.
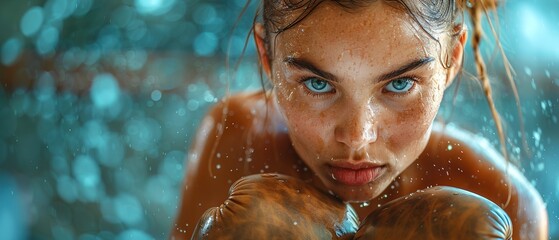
point(274, 206)
point(437, 213)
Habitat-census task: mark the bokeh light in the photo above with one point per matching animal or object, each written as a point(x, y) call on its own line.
point(11, 50)
point(154, 7)
point(31, 21)
point(100, 101)
point(105, 90)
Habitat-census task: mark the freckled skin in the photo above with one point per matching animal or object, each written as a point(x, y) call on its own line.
point(290, 132)
point(332, 126)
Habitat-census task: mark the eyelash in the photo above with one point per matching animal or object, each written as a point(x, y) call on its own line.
point(319, 95)
point(413, 78)
point(312, 94)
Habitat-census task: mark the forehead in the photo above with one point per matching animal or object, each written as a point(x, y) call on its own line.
point(375, 31)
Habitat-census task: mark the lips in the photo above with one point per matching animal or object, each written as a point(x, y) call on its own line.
point(355, 174)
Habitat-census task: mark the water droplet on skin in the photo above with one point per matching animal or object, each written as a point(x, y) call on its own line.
point(294, 223)
point(269, 175)
point(218, 166)
point(364, 204)
point(449, 147)
point(290, 96)
point(250, 151)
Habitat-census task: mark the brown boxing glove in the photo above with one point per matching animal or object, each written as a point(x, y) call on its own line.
point(274, 206)
point(437, 213)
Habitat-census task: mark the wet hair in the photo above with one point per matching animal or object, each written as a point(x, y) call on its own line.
point(434, 17)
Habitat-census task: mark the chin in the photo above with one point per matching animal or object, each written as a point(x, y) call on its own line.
point(357, 193)
point(355, 198)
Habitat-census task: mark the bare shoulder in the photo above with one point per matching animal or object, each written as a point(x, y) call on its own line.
point(221, 132)
point(215, 159)
point(468, 161)
point(237, 137)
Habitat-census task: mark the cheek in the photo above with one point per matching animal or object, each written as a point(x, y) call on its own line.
point(308, 128)
point(409, 127)
point(286, 90)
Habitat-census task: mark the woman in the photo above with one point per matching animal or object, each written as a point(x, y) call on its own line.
point(356, 88)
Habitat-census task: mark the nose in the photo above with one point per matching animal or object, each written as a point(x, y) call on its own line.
point(357, 129)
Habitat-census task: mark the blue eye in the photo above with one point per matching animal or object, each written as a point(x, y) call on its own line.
point(316, 85)
point(400, 85)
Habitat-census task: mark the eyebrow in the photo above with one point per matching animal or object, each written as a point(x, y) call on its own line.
point(305, 65)
point(406, 68)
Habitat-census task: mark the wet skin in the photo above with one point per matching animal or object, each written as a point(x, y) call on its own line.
point(343, 117)
point(254, 141)
point(357, 119)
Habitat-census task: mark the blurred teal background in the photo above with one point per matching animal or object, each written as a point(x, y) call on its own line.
point(99, 101)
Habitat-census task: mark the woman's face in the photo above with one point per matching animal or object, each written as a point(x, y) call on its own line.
point(358, 91)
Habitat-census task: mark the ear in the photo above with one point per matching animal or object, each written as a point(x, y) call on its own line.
point(259, 39)
point(457, 53)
